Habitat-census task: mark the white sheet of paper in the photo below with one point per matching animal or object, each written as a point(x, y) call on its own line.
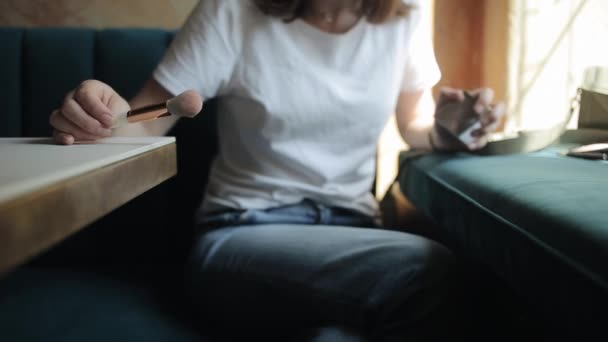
point(29, 164)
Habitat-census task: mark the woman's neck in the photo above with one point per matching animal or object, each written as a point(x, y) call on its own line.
point(334, 16)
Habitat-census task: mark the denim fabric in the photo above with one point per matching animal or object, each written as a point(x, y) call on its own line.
point(278, 272)
point(304, 212)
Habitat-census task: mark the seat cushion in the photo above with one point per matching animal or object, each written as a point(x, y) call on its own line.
point(539, 220)
point(61, 305)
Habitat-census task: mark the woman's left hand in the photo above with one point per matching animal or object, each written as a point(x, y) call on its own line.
point(490, 117)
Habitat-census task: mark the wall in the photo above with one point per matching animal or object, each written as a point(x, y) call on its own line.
point(168, 14)
point(471, 43)
point(458, 42)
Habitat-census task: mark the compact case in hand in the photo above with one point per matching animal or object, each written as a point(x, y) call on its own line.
point(460, 118)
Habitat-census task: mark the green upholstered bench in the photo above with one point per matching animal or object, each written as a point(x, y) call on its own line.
point(119, 279)
point(538, 220)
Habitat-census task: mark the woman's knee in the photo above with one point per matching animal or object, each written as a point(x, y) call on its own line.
point(413, 268)
point(433, 268)
point(434, 260)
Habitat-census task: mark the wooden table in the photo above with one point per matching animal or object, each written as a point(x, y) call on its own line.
point(48, 192)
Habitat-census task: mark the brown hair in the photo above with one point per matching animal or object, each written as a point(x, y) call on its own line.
point(376, 11)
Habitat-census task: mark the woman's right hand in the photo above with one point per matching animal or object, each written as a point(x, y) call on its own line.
point(87, 113)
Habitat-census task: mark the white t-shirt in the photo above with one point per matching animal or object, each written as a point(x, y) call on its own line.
point(300, 110)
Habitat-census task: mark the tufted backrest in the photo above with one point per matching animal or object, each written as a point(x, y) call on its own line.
point(39, 66)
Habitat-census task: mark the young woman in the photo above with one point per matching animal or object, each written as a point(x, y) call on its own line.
point(289, 231)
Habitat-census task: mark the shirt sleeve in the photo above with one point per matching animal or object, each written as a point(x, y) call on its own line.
point(421, 69)
point(202, 54)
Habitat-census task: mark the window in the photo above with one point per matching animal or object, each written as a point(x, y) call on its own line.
point(552, 43)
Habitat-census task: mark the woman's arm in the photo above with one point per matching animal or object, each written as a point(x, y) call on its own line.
point(416, 120)
point(414, 116)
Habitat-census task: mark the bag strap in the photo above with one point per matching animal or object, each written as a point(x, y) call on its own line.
point(533, 140)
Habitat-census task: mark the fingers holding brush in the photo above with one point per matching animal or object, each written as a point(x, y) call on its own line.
point(100, 101)
point(66, 128)
point(90, 100)
point(76, 114)
point(87, 113)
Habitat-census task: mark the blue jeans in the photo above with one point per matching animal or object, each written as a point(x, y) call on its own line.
point(273, 273)
point(305, 212)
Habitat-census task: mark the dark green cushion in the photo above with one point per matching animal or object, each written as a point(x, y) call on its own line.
point(10, 81)
point(125, 58)
point(539, 220)
point(60, 305)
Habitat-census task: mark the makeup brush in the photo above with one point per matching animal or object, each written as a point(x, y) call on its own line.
point(186, 104)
